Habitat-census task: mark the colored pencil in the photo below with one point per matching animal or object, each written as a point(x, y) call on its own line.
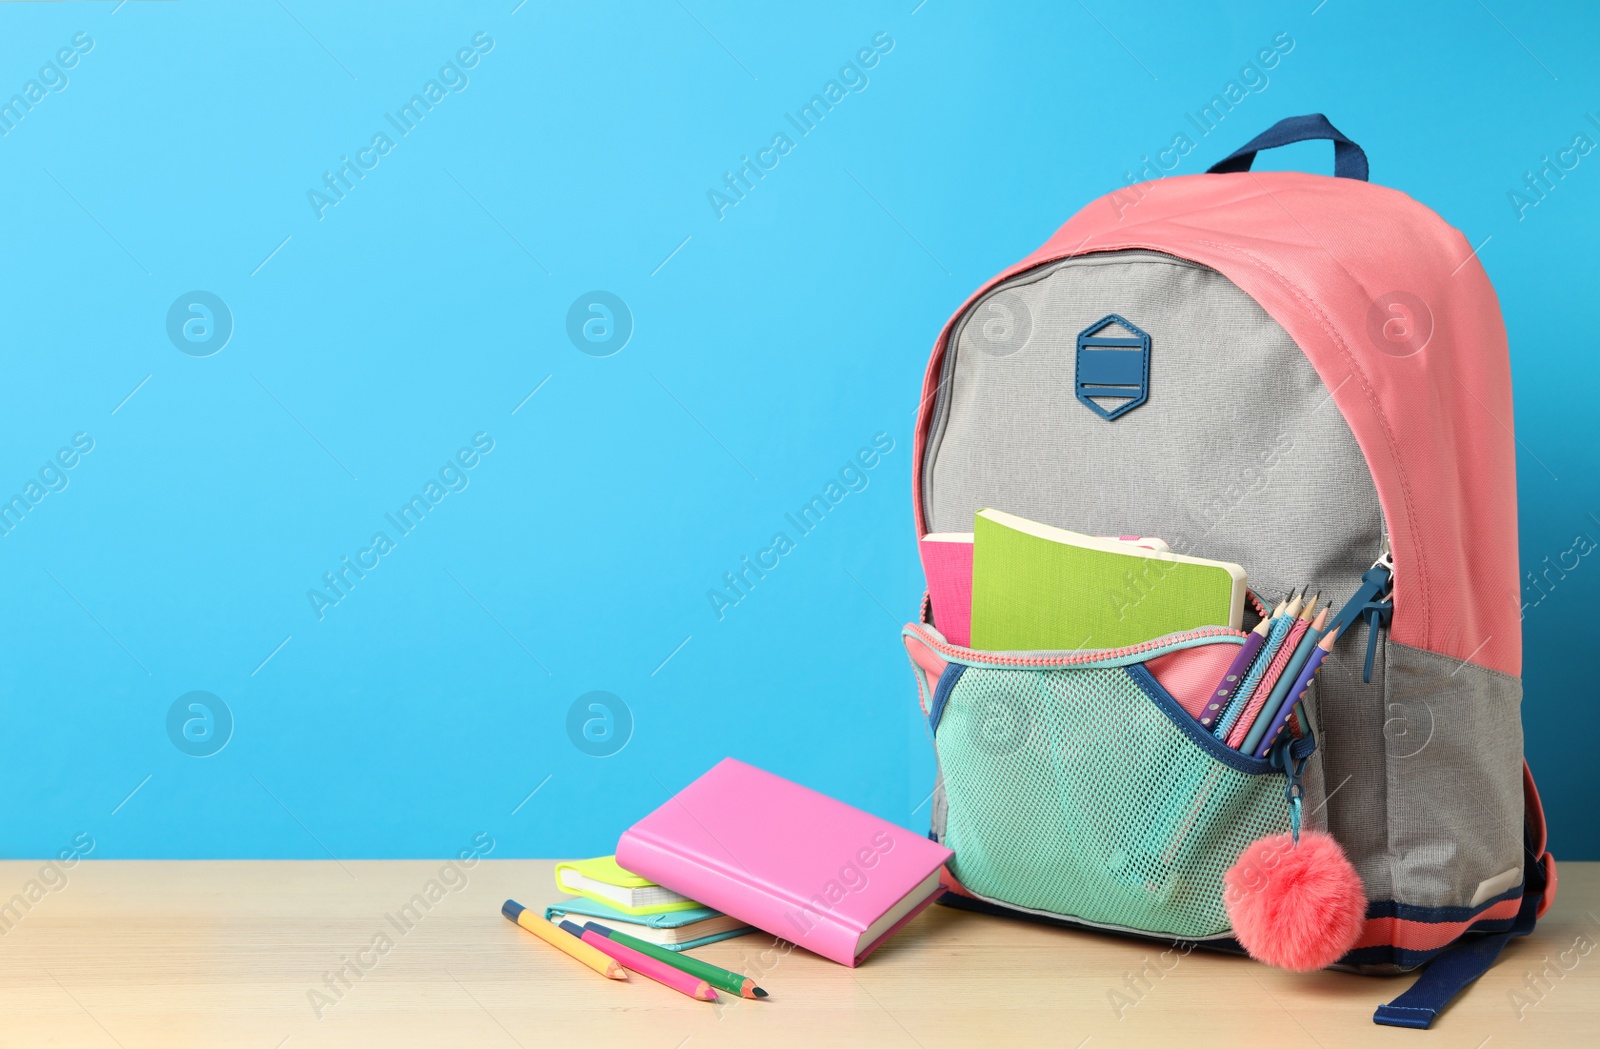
point(718, 977)
point(1297, 692)
point(1297, 721)
point(644, 965)
point(1269, 680)
point(1282, 621)
point(597, 960)
point(1306, 613)
point(1297, 717)
point(1235, 674)
point(1280, 691)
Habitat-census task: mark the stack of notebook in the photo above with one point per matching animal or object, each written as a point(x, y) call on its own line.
point(1014, 584)
point(791, 861)
point(638, 906)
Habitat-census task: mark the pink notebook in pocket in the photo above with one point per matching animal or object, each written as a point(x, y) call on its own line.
point(786, 859)
point(947, 564)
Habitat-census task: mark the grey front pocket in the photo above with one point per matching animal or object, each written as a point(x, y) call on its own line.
point(1453, 755)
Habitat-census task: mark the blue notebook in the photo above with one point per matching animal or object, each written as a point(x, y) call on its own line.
point(674, 930)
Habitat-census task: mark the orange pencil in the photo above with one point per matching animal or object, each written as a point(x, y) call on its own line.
point(1306, 613)
point(583, 952)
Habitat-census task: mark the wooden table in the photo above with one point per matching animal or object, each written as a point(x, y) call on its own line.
point(218, 954)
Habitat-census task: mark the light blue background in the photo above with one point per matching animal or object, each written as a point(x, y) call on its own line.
point(768, 346)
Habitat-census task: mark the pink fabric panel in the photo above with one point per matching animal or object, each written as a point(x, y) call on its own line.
point(1190, 674)
point(1317, 253)
point(1533, 810)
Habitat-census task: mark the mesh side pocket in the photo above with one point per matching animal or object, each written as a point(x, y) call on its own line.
point(1071, 791)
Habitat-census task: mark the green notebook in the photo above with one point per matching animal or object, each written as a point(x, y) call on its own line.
point(1038, 587)
point(674, 930)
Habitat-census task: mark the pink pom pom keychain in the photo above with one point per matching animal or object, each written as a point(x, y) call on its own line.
point(1294, 899)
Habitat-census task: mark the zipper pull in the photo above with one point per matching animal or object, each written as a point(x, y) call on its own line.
point(1282, 758)
point(1373, 601)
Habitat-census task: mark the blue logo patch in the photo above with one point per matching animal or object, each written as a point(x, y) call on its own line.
point(1113, 369)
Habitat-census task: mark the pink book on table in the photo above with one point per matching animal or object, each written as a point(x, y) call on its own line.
point(786, 859)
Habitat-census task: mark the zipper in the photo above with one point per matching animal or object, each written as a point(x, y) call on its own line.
point(1090, 657)
point(1285, 759)
point(1373, 601)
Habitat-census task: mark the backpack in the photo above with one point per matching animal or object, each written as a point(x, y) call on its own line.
point(1307, 376)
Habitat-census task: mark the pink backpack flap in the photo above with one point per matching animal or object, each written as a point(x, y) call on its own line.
point(1324, 397)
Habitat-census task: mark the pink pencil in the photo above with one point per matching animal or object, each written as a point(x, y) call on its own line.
point(645, 965)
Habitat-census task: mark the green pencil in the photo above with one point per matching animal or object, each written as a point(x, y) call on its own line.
point(718, 977)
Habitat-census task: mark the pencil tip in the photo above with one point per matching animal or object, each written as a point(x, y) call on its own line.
point(759, 993)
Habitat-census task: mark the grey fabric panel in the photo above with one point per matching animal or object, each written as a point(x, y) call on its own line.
point(1454, 757)
point(1348, 716)
point(1313, 778)
point(1239, 454)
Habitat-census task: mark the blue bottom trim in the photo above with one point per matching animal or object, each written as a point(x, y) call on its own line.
point(1412, 912)
point(1404, 958)
point(967, 903)
point(1385, 957)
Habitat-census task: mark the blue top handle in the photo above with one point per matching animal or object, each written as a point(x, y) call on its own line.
point(1349, 159)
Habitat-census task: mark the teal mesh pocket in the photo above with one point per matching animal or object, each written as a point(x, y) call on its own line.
point(1074, 792)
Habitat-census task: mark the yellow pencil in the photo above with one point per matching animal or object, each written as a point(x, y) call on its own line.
point(593, 958)
point(1310, 609)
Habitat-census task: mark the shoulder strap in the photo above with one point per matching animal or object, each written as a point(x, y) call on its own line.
point(1449, 973)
